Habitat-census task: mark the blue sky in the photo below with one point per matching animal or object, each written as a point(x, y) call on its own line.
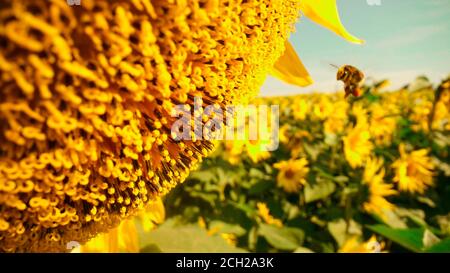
point(404, 39)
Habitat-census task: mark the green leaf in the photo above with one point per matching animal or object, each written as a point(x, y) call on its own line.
point(203, 176)
point(411, 239)
point(260, 187)
point(320, 190)
point(257, 173)
point(427, 201)
point(391, 219)
point(312, 151)
point(224, 227)
point(429, 239)
point(210, 198)
point(283, 238)
point(303, 250)
point(415, 215)
point(441, 247)
point(151, 248)
point(341, 231)
point(184, 239)
point(444, 167)
point(252, 238)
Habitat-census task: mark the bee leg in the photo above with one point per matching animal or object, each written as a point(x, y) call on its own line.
point(347, 91)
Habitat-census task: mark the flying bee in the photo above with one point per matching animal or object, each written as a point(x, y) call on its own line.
point(352, 78)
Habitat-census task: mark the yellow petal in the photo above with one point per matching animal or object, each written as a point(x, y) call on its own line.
point(325, 13)
point(103, 243)
point(129, 241)
point(112, 241)
point(153, 214)
point(156, 211)
point(290, 69)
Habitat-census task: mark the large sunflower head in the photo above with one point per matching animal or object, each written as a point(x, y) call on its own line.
point(87, 97)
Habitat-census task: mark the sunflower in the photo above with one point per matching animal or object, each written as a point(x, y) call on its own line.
point(419, 116)
point(88, 92)
point(354, 245)
point(413, 171)
point(336, 122)
point(323, 108)
point(255, 149)
point(233, 151)
point(124, 238)
point(357, 146)
point(292, 174)
point(382, 123)
point(378, 190)
point(300, 108)
point(359, 111)
point(284, 133)
point(264, 213)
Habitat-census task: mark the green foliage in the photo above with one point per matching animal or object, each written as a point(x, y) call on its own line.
point(183, 239)
point(328, 212)
point(411, 239)
point(283, 238)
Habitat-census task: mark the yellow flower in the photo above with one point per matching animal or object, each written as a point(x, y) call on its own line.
point(323, 108)
point(284, 133)
point(360, 113)
point(413, 171)
point(357, 146)
point(335, 123)
point(382, 123)
point(354, 245)
point(153, 215)
point(124, 238)
point(264, 213)
point(87, 99)
point(257, 150)
point(420, 114)
point(378, 190)
point(300, 108)
point(230, 238)
point(292, 174)
point(441, 118)
point(441, 112)
point(233, 151)
point(87, 96)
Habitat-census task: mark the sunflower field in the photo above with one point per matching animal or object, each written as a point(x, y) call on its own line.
point(366, 174)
